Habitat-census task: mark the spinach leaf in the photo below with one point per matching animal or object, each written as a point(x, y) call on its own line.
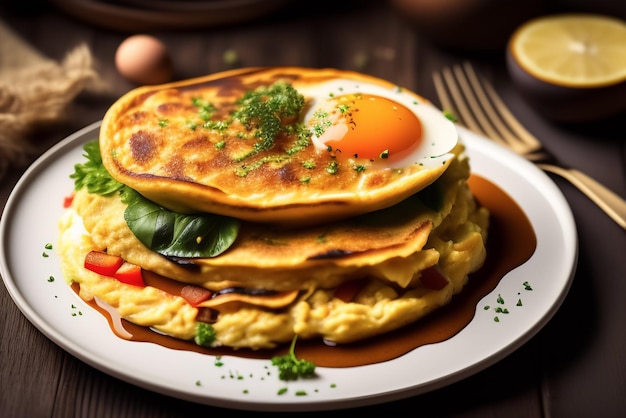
point(173, 234)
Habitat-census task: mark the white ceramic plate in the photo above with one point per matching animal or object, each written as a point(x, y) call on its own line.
point(30, 222)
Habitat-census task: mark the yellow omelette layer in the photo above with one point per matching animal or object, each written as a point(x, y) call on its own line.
point(454, 239)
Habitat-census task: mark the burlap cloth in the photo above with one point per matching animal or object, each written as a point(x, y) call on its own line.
point(35, 92)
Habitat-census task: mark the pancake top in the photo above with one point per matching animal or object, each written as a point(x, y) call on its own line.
point(282, 145)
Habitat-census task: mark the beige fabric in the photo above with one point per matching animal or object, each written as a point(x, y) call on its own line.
point(35, 91)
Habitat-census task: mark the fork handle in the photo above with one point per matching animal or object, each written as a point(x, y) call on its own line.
point(611, 203)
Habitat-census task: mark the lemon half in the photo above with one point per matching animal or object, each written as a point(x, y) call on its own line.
point(572, 50)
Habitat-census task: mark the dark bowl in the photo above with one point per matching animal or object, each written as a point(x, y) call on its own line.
point(564, 103)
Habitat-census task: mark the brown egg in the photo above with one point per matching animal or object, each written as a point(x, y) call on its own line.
point(143, 59)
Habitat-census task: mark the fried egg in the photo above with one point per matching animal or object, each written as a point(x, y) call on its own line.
point(391, 127)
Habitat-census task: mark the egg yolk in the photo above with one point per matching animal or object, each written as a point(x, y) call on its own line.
point(367, 126)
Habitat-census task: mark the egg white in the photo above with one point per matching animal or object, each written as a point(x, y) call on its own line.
point(439, 135)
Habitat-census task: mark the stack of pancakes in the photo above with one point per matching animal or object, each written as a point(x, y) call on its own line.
point(342, 256)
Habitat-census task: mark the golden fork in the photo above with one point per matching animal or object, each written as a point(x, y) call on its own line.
point(475, 103)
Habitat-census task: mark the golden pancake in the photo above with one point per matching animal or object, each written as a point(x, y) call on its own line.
point(190, 147)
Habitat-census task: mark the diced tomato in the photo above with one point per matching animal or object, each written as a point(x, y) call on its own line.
point(67, 201)
point(130, 273)
point(432, 278)
point(195, 294)
point(102, 263)
point(346, 291)
point(115, 267)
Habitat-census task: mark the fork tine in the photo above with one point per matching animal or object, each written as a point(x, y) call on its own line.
point(517, 127)
point(454, 104)
point(482, 109)
point(507, 125)
point(497, 129)
point(475, 98)
point(442, 92)
point(488, 106)
point(444, 98)
point(455, 101)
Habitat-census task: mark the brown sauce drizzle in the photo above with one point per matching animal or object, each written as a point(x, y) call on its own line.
point(511, 241)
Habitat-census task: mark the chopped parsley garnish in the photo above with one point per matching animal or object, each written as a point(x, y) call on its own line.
point(309, 164)
point(291, 367)
point(343, 108)
point(332, 167)
point(303, 141)
point(205, 109)
point(322, 123)
point(263, 110)
point(450, 116)
point(205, 334)
point(247, 168)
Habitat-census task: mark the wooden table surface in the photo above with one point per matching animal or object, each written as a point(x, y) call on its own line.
point(574, 367)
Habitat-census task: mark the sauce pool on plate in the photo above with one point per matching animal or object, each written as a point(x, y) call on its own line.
point(510, 243)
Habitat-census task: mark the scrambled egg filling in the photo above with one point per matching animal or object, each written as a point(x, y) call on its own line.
point(452, 239)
